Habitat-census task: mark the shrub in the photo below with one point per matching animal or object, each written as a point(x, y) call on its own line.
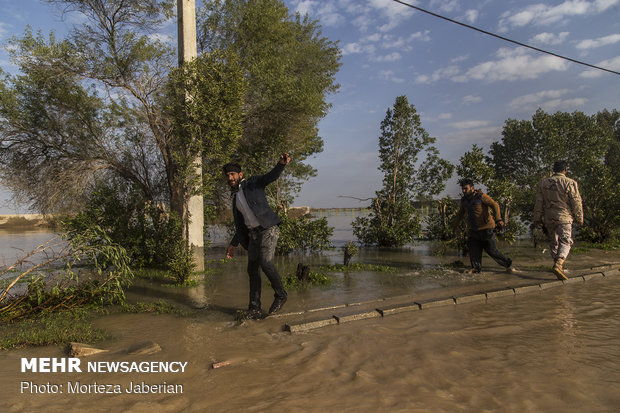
point(304, 235)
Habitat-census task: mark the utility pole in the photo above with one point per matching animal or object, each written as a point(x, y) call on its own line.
point(186, 17)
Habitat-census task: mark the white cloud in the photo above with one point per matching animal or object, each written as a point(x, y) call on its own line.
point(512, 64)
point(362, 22)
point(329, 16)
point(389, 75)
point(611, 64)
point(472, 99)
point(4, 30)
point(444, 72)
point(603, 5)
point(566, 104)
point(548, 100)
point(470, 124)
point(471, 16)
point(550, 38)
point(375, 37)
point(424, 79)
point(394, 13)
point(536, 98)
point(326, 12)
point(542, 14)
point(351, 48)
point(305, 7)
point(460, 59)
point(601, 41)
point(404, 43)
point(391, 57)
point(444, 6)
point(466, 137)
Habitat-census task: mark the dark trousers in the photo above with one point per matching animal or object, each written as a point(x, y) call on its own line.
point(485, 240)
point(261, 250)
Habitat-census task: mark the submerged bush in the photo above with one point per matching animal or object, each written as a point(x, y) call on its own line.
point(55, 284)
point(150, 234)
point(304, 235)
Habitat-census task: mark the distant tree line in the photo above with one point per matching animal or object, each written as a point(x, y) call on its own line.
point(510, 172)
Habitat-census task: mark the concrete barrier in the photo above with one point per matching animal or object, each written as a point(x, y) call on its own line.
point(357, 316)
point(389, 309)
point(436, 303)
point(309, 325)
point(504, 292)
point(593, 276)
point(527, 289)
point(400, 308)
point(470, 298)
point(572, 280)
point(551, 284)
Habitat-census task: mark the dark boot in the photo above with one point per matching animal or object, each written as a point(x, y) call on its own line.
point(253, 313)
point(277, 304)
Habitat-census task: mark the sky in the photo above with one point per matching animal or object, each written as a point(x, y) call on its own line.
point(463, 83)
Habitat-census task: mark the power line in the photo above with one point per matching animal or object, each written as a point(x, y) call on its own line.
point(506, 39)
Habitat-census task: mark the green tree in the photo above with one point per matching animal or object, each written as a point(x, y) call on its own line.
point(104, 103)
point(290, 69)
point(393, 220)
point(528, 150)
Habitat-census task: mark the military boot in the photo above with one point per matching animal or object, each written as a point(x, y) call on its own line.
point(558, 269)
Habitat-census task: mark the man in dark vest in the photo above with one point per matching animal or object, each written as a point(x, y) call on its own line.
point(256, 229)
point(481, 237)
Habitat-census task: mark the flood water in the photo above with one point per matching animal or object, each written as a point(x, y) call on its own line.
point(553, 350)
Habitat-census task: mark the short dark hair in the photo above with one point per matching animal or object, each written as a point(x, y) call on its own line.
point(466, 181)
point(231, 167)
point(560, 166)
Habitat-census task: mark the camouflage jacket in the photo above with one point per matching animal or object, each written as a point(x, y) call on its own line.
point(558, 201)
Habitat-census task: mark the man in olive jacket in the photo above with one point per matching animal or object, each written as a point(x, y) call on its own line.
point(481, 237)
point(558, 205)
point(256, 229)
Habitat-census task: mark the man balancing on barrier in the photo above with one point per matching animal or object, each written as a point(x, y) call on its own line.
point(256, 229)
point(481, 234)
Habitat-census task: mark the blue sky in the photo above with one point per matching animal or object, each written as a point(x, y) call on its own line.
point(463, 83)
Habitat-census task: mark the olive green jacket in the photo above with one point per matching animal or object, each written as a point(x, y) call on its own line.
point(558, 201)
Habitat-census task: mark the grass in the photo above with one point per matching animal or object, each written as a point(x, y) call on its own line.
point(314, 279)
point(154, 307)
point(165, 278)
point(73, 325)
point(356, 267)
point(321, 277)
point(50, 329)
point(584, 247)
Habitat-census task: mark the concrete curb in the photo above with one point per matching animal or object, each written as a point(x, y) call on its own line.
point(410, 306)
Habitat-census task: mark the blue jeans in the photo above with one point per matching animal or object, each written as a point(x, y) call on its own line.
point(261, 250)
point(485, 240)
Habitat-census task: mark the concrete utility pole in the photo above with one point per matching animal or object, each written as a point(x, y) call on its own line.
point(186, 15)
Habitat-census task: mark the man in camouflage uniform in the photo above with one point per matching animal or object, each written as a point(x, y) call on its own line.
point(558, 205)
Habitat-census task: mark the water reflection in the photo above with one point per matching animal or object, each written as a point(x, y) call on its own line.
point(553, 351)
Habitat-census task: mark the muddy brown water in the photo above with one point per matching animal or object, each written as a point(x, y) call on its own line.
point(553, 350)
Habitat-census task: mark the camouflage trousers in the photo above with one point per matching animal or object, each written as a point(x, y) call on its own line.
point(560, 239)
